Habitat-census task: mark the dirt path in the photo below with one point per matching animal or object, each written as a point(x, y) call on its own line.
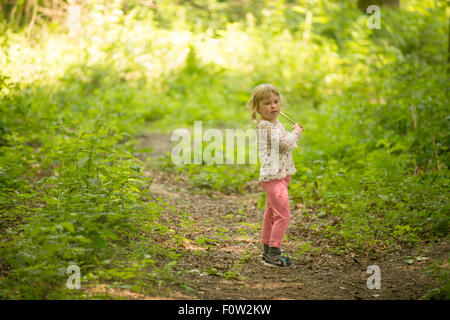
point(221, 254)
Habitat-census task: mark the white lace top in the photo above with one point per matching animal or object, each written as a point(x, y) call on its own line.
point(273, 137)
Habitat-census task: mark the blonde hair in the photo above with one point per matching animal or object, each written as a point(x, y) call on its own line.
point(260, 92)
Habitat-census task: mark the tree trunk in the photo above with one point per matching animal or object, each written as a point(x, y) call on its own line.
point(6, 6)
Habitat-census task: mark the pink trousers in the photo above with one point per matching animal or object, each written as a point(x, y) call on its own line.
point(278, 213)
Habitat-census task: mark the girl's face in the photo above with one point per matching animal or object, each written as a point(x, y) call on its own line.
point(269, 108)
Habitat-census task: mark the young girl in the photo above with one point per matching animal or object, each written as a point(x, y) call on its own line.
point(276, 169)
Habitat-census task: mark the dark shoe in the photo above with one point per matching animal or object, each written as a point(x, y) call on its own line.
point(274, 258)
point(265, 253)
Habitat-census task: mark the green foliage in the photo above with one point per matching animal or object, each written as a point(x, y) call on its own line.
point(440, 271)
point(71, 191)
point(304, 249)
point(374, 154)
point(235, 271)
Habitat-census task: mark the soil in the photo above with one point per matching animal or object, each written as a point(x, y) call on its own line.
point(221, 255)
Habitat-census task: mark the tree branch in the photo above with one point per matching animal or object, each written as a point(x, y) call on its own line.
point(33, 17)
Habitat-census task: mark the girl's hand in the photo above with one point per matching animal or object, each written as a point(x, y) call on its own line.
point(298, 128)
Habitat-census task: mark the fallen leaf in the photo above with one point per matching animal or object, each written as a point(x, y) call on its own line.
point(419, 259)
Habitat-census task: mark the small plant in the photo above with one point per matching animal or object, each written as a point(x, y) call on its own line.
point(235, 271)
point(304, 248)
point(440, 271)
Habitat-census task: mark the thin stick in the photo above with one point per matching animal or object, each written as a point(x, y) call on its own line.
point(287, 117)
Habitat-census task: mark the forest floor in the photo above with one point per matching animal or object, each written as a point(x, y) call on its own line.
point(221, 254)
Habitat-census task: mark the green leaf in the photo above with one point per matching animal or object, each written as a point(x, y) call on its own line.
point(83, 239)
point(104, 172)
point(36, 229)
point(135, 168)
point(98, 243)
point(82, 162)
point(68, 226)
point(19, 260)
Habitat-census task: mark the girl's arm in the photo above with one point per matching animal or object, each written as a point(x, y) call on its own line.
point(286, 140)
